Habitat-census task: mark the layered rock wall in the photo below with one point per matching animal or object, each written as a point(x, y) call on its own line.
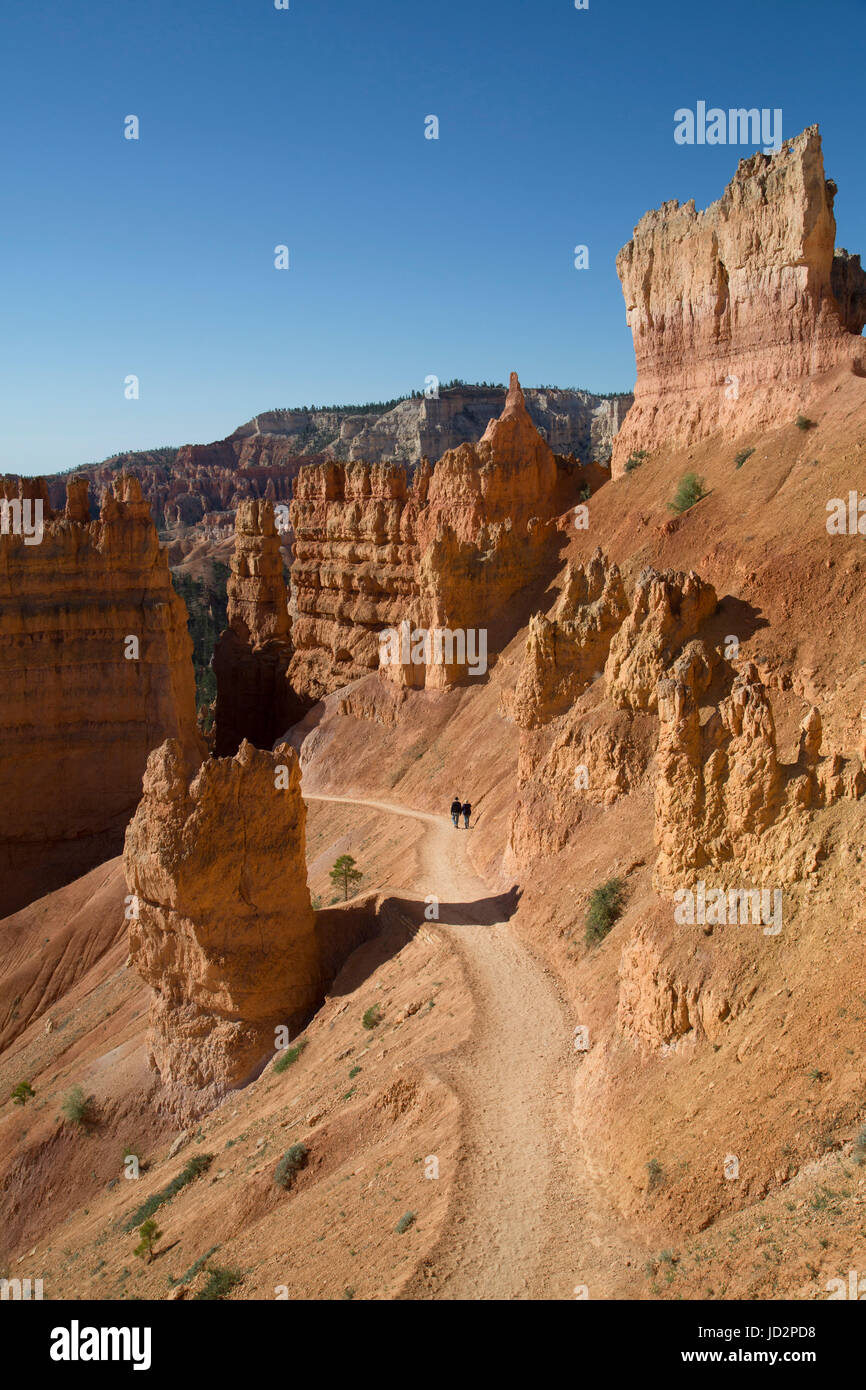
point(95, 671)
point(734, 310)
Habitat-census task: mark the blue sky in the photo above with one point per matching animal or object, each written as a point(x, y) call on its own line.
point(409, 256)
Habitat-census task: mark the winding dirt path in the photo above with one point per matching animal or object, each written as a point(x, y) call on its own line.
point(525, 1221)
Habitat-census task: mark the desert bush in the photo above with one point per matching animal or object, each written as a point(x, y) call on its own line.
point(219, 1283)
point(605, 905)
point(690, 489)
point(22, 1093)
point(405, 1222)
point(197, 1165)
point(742, 456)
point(290, 1055)
point(76, 1106)
point(859, 1154)
point(291, 1163)
point(654, 1174)
point(635, 459)
point(804, 423)
point(372, 1016)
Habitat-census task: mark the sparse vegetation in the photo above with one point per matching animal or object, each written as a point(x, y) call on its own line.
point(194, 1268)
point(605, 906)
point(197, 1165)
point(76, 1106)
point(219, 1283)
point(206, 604)
point(635, 459)
point(344, 874)
point(150, 1234)
point(654, 1174)
point(372, 1016)
point(859, 1152)
point(690, 489)
point(291, 1163)
point(22, 1093)
point(804, 423)
point(406, 1220)
point(290, 1055)
point(742, 456)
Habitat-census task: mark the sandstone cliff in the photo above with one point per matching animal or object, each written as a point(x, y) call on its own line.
point(444, 554)
point(225, 933)
point(95, 671)
point(251, 659)
point(734, 310)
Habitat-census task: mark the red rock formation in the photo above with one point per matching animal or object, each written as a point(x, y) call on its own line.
point(80, 705)
point(566, 651)
point(734, 310)
point(667, 609)
point(722, 798)
point(251, 659)
point(225, 934)
point(444, 555)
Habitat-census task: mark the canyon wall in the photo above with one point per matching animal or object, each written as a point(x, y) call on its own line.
point(225, 932)
point(734, 310)
point(251, 658)
point(95, 671)
point(447, 552)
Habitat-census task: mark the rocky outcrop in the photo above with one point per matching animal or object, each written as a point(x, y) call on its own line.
point(567, 650)
point(95, 671)
point(443, 555)
point(722, 797)
point(736, 309)
point(667, 610)
point(251, 659)
point(225, 933)
point(354, 568)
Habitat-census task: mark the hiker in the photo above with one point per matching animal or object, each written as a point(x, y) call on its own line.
point(456, 808)
point(467, 812)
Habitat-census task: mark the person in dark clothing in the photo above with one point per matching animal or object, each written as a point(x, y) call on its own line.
point(467, 812)
point(456, 808)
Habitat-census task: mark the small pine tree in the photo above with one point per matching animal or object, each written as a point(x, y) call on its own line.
point(345, 873)
point(149, 1233)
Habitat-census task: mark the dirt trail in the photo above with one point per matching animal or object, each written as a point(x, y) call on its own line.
point(525, 1221)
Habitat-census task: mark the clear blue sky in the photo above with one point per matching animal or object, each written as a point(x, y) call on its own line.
point(408, 256)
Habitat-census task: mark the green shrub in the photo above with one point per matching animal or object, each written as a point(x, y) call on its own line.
point(150, 1234)
point(76, 1106)
point(22, 1093)
point(405, 1222)
point(197, 1165)
point(690, 489)
point(372, 1017)
point(291, 1163)
point(605, 905)
point(219, 1283)
point(859, 1154)
point(635, 459)
point(804, 423)
point(742, 456)
point(290, 1055)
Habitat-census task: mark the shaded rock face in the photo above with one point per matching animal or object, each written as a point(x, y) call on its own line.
point(251, 659)
point(225, 934)
point(566, 651)
point(722, 798)
point(667, 609)
point(82, 705)
point(735, 309)
point(446, 553)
